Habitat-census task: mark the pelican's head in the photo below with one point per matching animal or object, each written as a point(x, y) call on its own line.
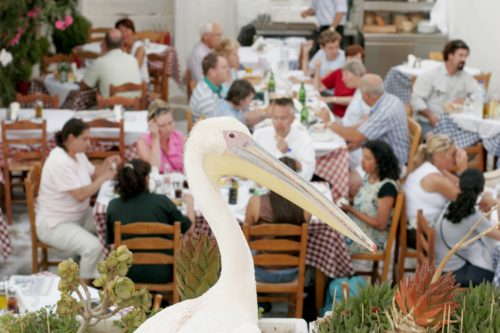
point(226, 148)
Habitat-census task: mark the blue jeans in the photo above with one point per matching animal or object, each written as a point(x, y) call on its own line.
point(276, 275)
point(470, 274)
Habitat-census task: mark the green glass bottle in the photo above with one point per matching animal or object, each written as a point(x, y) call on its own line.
point(271, 85)
point(304, 115)
point(302, 94)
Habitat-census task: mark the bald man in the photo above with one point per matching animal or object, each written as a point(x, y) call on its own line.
point(386, 120)
point(210, 37)
point(115, 67)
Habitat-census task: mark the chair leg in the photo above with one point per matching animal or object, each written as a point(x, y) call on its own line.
point(299, 303)
point(34, 258)
point(8, 198)
point(375, 275)
point(45, 263)
point(319, 288)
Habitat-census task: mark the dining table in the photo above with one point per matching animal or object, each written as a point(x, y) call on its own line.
point(326, 249)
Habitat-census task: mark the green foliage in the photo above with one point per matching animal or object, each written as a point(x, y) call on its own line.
point(361, 313)
point(45, 320)
point(116, 290)
point(197, 266)
point(75, 35)
point(482, 311)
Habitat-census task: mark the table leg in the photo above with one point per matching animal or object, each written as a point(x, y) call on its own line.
point(319, 280)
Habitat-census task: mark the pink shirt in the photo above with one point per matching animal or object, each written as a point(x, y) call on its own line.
point(174, 159)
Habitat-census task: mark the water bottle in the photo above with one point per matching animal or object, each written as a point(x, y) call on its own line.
point(304, 115)
point(271, 86)
point(63, 71)
point(302, 93)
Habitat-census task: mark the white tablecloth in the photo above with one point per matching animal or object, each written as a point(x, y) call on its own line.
point(135, 121)
point(62, 90)
point(486, 128)
point(249, 57)
point(427, 65)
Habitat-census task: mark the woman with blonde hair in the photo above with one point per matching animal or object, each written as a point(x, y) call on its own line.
point(432, 184)
point(163, 146)
point(228, 48)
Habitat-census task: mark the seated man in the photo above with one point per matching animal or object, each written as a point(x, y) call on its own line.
point(283, 139)
point(210, 34)
point(115, 67)
point(386, 121)
point(447, 83)
point(205, 98)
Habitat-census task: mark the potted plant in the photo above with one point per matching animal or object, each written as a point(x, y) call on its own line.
point(74, 35)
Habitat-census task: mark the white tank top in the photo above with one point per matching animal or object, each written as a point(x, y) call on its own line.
point(431, 203)
point(144, 67)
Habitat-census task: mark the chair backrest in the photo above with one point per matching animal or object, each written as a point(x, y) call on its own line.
point(127, 103)
point(55, 59)
point(426, 238)
point(153, 36)
point(32, 185)
point(131, 87)
point(21, 133)
point(484, 79)
point(84, 55)
point(116, 143)
point(151, 237)
point(415, 136)
point(436, 55)
point(28, 101)
point(276, 245)
point(158, 73)
point(96, 34)
point(476, 155)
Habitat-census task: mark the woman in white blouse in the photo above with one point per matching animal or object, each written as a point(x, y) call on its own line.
point(63, 216)
point(133, 46)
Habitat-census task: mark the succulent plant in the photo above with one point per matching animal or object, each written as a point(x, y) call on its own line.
point(197, 265)
point(116, 289)
point(480, 310)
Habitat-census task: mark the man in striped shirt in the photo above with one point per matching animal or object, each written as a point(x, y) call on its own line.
point(386, 120)
point(205, 98)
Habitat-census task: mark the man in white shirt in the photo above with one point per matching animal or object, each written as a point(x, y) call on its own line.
point(116, 67)
point(283, 139)
point(210, 34)
point(448, 83)
point(207, 93)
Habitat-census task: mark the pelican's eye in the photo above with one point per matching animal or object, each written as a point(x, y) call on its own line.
point(232, 135)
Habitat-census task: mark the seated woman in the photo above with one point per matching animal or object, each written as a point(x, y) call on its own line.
point(330, 57)
point(471, 264)
point(431, 185)
point(372, 207)
point(163, 146)
point(134, 47)
point(228, 48)
point(137, 204)
point(63, 216)
point(237, 102)
point(273, 208)
point(344, 81)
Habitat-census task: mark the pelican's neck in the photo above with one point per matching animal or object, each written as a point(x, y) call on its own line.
point(236, 258)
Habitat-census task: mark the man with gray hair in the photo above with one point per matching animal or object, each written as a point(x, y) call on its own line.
point(116, 67)
point(210, 37)
point(386, 120)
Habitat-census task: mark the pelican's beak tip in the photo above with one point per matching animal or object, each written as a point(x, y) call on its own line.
point(374, 248)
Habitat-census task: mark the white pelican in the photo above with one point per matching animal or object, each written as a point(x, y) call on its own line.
point(218, 147)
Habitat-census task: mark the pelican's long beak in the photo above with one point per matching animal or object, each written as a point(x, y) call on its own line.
point(248, 160)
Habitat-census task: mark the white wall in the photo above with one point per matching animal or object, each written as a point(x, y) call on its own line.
point(477, 22)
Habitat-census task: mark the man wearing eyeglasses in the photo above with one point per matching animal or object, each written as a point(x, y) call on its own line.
point(448, 84)
point(283, 139)
point(211, 34)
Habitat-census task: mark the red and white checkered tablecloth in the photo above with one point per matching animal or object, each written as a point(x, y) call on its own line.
point(100, 224)
point(334, 168)
point(4, 237)
point(173, 67)
point(76, 100)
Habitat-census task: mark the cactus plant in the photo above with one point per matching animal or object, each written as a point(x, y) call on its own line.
point(197, 265)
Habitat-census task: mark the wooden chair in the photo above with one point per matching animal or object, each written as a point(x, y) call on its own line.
point(415, 137)
point(116, 143)
point(153, 36)
point(127, 103)
point(17, 162)
point(404, 251)
point(156, 246)
point(476, 156)
point(434, 55)
point(84, 55)
point(28, 101)
point(55, 59)
point(190, 84)
point(131, 87)
point(426, 239)
point(96, 34)
point(384, 255)
point(32, 184)
point(282, 251)
point(484, 79)
point(158, 76)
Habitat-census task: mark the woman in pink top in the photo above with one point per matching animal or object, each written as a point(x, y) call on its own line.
point(163, 146)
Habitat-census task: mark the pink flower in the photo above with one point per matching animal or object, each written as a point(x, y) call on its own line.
point(17, 37)
point(60, 25)
point(34, 12)
point(68, 20)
